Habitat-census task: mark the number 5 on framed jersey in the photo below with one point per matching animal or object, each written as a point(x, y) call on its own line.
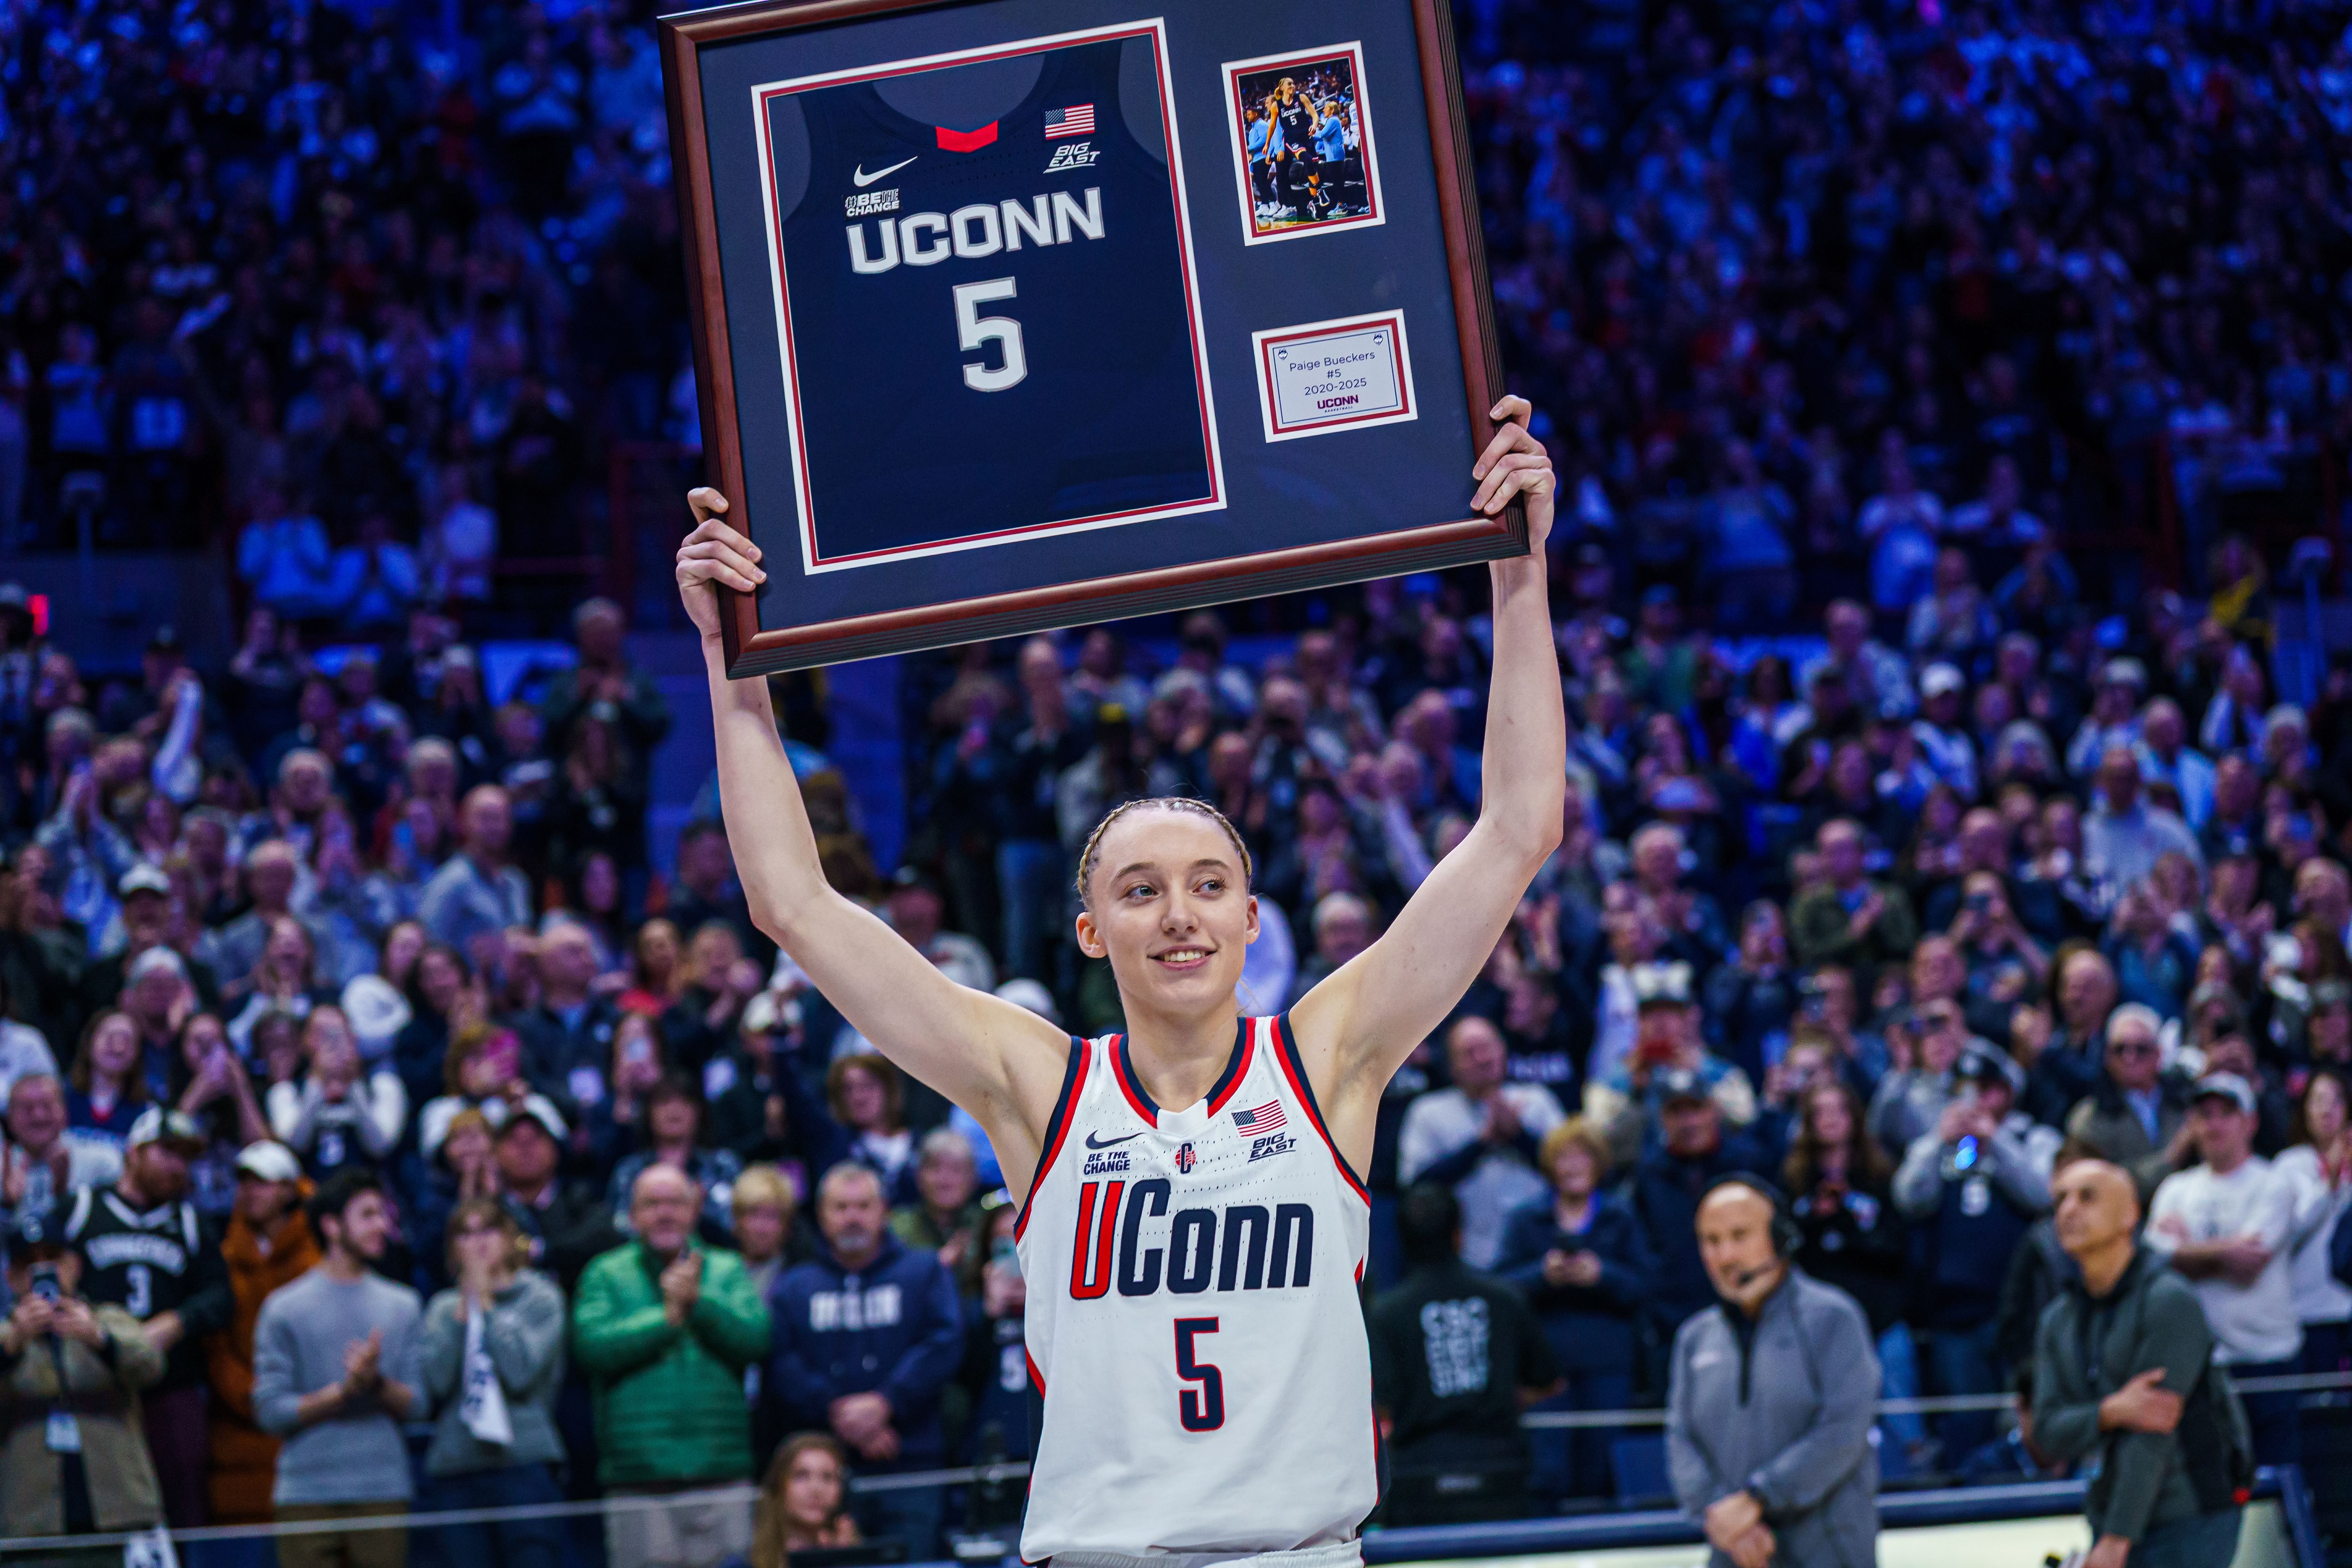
point(978, 353)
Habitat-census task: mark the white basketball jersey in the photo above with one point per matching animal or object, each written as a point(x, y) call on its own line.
point(1192, 1320)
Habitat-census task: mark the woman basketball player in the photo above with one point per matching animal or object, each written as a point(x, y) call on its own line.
point(1193, 1224)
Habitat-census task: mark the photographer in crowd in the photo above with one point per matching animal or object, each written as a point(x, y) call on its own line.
point(74, 1461)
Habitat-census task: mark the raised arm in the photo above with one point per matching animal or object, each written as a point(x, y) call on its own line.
point(1000, 1062)
point(1355, 1028)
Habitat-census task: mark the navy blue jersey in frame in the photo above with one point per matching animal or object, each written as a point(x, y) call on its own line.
point(990, 334)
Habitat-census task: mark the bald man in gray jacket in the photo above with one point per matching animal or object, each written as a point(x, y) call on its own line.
point(1771, 1398)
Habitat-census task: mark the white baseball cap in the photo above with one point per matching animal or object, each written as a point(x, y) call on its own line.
point(377, 1011)
point(269, 1160)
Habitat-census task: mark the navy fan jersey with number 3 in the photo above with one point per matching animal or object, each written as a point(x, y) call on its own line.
point(992, 331)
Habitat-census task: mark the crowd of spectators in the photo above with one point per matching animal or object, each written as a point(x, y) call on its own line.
point(366, 1077)
point(1813, 290)
point(353, 290)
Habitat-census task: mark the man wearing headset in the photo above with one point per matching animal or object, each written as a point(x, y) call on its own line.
point(1772, 1397)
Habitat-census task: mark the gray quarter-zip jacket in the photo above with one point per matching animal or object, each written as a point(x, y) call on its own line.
point(1783, 1414)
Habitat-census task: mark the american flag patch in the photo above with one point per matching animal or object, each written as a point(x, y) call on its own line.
point(1075, 121)
point(1266, 1117)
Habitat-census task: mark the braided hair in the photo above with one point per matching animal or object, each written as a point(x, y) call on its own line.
point(1087, 855)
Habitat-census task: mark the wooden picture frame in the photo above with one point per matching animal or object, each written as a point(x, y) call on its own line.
point(754, 648)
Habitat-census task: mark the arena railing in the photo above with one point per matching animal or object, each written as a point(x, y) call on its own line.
point(1617, 1527)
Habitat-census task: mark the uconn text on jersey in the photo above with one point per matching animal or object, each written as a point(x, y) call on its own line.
point(924, 239)
point(1235, 1246)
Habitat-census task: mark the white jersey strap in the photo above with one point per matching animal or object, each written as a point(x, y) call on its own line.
point(1294, 1067)
point(1057, 1125)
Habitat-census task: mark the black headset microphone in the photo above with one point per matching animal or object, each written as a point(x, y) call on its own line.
point(1786, 1236)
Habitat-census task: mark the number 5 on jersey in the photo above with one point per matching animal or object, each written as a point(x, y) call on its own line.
point(1202, 1410)
point(975, 331)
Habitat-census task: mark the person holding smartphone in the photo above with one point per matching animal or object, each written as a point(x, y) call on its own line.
point(74, 1461)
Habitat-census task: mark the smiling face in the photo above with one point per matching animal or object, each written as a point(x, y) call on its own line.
point(36, 1111)
point(1168, 903)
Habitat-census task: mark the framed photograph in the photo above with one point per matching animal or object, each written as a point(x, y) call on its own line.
point(982, 348)
point(1301, 130)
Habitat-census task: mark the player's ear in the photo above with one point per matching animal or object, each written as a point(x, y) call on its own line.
point(1090, 941)
point(1249, 929)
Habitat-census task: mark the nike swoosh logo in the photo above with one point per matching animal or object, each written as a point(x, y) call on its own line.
point(864, 179)
point(1107, 1143)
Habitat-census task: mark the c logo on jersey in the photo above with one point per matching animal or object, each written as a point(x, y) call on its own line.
point(1240, 1246)
point(1185, 1159)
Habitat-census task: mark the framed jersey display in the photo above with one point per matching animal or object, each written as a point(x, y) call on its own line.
point(991, 333)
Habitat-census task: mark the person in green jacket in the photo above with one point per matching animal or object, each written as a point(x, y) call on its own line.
point(664, 1327)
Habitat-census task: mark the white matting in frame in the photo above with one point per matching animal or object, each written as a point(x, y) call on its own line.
point(1356, 177)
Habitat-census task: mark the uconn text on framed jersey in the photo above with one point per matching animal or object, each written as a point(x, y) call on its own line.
point(980, 332)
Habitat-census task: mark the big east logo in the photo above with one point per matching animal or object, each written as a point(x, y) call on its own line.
point(1241, 1247)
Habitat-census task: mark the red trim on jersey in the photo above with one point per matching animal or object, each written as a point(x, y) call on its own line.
point(1057, 1127)
point(966, 140)
point(1036, 1378)
point(1127, 1085)
point(1244, 1050)
point(1286, 1054)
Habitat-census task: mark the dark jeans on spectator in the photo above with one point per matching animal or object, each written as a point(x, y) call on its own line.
point(2208, 1541)
point(520, 1543)
point(1962, 1362)
point(910, 1513)
point(2326, 1346)
point(1574, 1462)
point(2275, 1420)
point(174, 1419)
